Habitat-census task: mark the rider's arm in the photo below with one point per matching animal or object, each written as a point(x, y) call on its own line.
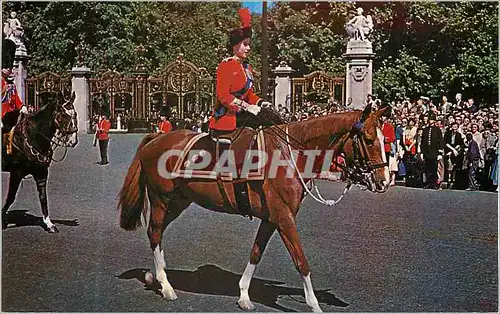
point(224, 81)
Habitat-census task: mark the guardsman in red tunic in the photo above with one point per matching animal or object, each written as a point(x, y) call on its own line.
point(103, 127)
point(235, 81)
point(164, 126)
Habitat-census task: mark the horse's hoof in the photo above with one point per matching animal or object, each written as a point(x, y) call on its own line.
point(53, 230)
point(169, 295)
point(246, 305)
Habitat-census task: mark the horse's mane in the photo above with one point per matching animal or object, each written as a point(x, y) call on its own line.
point(42, 112)
point(266, 117)
point(315, 128)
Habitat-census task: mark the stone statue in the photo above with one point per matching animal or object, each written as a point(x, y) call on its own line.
point(13, 29)
point(359, 26)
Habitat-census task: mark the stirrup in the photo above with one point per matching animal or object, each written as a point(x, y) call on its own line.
point(222, 140)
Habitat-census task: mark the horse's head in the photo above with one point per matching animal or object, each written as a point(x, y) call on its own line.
point(365, 153)
point(66, 122)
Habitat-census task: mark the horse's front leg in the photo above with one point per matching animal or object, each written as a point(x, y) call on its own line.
point(14, 182)
point(288, 232)
point(41, 185)
point(266, 230)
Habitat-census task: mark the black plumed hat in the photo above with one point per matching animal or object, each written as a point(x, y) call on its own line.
point(8, 53)
point(245, 31)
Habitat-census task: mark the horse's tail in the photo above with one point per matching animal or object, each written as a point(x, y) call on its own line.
point(132, 197)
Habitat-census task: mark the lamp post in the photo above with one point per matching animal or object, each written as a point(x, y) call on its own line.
point(265, 51)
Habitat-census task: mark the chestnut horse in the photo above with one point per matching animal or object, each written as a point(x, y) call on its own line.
point(275, 200)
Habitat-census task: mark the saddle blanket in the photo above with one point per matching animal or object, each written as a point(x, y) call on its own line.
point(239, 161)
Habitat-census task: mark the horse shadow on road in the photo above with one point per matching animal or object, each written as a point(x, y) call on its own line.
point(22, 218)
point(213, 280)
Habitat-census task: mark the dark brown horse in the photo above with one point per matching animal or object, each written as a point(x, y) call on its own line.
point(275, 200)
point(35, 137)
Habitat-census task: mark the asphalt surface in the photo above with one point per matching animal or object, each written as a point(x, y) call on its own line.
point(408, 250)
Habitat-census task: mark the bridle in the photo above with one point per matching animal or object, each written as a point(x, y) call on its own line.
point(362, 172)
point(61, 138)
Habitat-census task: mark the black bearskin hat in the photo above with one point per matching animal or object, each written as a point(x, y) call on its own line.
point(164, 111)
point(245, 31)
point(105, 110)
point(8, 53)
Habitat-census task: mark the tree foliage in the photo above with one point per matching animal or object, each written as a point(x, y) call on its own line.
point(420, 47)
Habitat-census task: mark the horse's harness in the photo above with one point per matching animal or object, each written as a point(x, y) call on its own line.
point(362, 173)
point(34, 154)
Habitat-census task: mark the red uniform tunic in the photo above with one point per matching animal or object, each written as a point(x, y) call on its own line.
point(10, 97)
point(389, 136)
point(164, 126)
point(104, 125)
point(234, 81)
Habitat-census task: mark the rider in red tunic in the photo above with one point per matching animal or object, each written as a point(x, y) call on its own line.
point(11, 103)
point(164, 126)
point(235, 81)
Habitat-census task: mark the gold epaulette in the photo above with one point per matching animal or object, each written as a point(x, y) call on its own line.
point(228, 59)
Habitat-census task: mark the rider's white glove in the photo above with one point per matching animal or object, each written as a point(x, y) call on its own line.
point(24, 110)
point(266, 104)
point(253, 109)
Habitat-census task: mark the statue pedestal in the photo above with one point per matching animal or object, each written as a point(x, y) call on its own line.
point(359, 72)
point(80, 85)
point(283, 85)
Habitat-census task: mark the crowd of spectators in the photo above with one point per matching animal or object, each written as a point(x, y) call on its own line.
point(440, 145)
point(448, 144)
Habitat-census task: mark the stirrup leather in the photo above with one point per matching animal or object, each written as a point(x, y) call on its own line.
point(7, 137)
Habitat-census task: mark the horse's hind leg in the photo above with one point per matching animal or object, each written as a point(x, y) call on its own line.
point(266, 230)
point(163, 212)
point(41, 185)
point(14, 182)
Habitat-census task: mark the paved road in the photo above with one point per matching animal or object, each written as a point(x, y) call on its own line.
point(409, 250)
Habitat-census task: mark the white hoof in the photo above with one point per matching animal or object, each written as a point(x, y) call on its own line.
point(317, 309)
point(169, 294)
point(52, 229)
point(246, 305)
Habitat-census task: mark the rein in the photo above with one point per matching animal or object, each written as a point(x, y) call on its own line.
point(320, 198)
point(360, 174)
point(44, 158)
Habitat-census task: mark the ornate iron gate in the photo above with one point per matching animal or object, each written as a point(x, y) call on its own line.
point(181, 86)
point(46, 85)
point(317, 86)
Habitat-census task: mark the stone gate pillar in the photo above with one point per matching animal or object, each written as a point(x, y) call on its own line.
point(283, 85)
point(359, 72)
point(80, 85)
point(21, 74)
